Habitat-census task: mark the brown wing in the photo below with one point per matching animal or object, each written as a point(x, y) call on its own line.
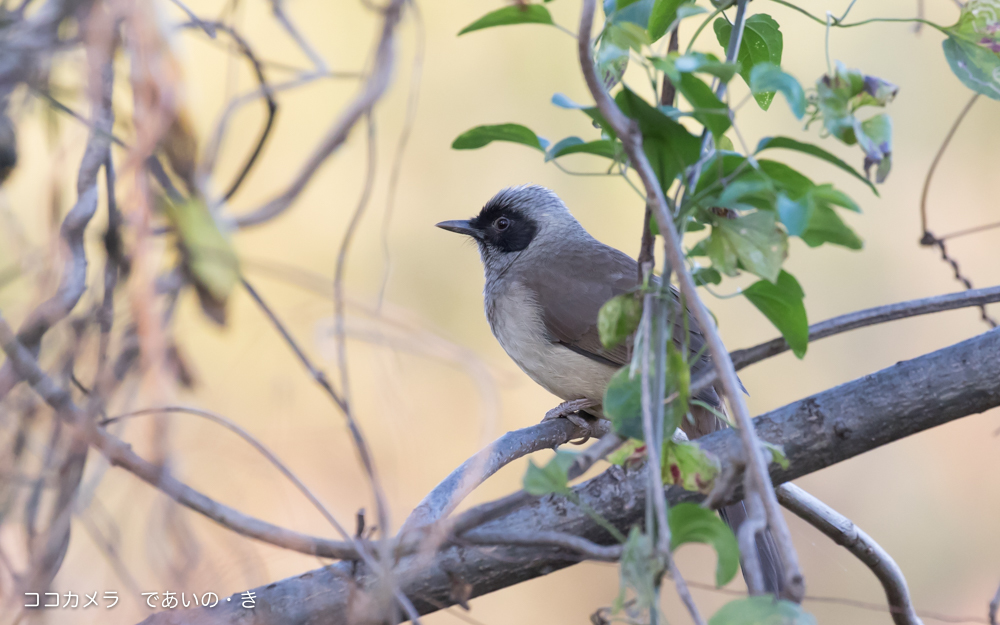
point(571, 290)
point(573, 286)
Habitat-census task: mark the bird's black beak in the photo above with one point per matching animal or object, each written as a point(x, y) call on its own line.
point(461, 226)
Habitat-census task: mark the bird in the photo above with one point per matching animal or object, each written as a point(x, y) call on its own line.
point(546, 279)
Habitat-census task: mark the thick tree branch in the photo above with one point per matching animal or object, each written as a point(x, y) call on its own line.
point(848, 535)
point(816, 432)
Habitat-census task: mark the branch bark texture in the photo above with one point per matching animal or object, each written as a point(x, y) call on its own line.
point(816, 432)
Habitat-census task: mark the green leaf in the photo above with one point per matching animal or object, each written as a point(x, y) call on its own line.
point(484, 135)
point(754, 240)
point(623, 403)
point(973, 47)
point(689, 466)
point(575, 145)
point(552, 478)
point(762, 43)
point(626, 452)
point(781, 303)
point(747, 192)
point(208, 254)
point(706, 275)
point(795, 214)
point(611, 61)
point(690, 523)
point(777, 453)
point(662, 16)
point(826, 226)
point(825, 194)
point(634, 12)
point(807, 148)
point(768, 78)
point(708, 109)
point(668, 145)
point(641, 567)
point(761, 610)
point(516, 14)
point(618, 319)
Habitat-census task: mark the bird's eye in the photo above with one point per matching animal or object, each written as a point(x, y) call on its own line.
point(502, 223)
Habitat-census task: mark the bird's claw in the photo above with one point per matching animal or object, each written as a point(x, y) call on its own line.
point(570, 410)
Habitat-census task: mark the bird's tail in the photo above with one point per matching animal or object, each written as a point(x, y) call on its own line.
point(767, 551)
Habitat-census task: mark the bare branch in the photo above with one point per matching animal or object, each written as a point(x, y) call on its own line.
point(848, 535)
point(816, 432)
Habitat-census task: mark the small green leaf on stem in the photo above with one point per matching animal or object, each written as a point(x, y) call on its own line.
point(973, 47)
point(781, 303)
point(507, 16)
point(769, 78)
point(618, 319)
point(761, 610)
point(484, 135)
point(690, 523)
point(762, 43)
point(641, 567)
point(689, 466)
point(552, 478)
point(788, 143)
point(754, 240)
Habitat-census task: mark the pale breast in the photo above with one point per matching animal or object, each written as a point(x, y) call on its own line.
point(516, 322)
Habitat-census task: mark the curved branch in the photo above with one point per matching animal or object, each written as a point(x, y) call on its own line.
point(447, 495)
point(816, 432)
point(73, 282)
point(848, 535)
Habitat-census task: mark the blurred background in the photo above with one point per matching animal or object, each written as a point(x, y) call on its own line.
point(430, 384)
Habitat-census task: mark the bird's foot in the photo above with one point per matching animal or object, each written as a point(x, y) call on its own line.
point(571, 410)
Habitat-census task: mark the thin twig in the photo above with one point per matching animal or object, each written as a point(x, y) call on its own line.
point(632, 142)
point(266, 90)
point(542, 538)
point(848, 535)
point(994, 607)
point(240, 431)
point(852, 321)
point(120, 454)
point(376, 84)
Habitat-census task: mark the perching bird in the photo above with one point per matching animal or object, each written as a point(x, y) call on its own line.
point(546, 280)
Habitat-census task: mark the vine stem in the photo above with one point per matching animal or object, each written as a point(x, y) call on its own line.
point(757, 476)
point(838, 22)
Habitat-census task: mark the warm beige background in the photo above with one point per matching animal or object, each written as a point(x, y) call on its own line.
point(931, 500)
